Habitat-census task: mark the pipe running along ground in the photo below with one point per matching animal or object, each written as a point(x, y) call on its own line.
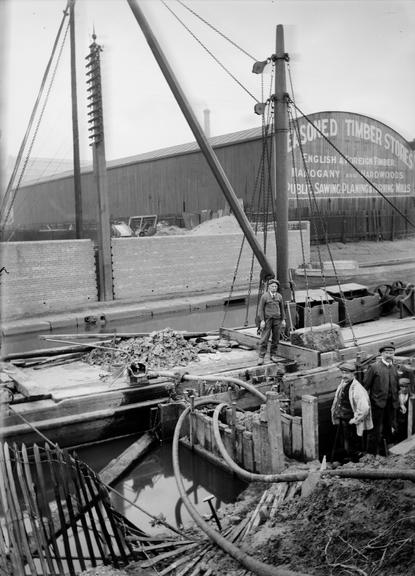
point(250, 563)
point(362, 473)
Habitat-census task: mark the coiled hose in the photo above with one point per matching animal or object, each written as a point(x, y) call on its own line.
point(250, 563)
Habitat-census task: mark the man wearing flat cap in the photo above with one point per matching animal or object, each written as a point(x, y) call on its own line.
point(272, 319)
point(351, 411)
point(382, 383)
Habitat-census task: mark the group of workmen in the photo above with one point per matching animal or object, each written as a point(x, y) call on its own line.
point(369, 415)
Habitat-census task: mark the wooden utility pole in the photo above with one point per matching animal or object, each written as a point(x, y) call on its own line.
point(280, 165)
point(96, 129)
point(75, 127)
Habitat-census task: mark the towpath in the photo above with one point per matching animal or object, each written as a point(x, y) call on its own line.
point(378, 262)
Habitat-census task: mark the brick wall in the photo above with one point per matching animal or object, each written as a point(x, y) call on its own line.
point(160, 265)
point(53, 276)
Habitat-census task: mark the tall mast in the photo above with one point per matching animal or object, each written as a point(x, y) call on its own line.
point(201, 139)
point(75, 127)
point(280, 164)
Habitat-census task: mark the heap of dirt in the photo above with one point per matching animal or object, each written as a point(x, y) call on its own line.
point(344, 527)
point(165, 229)
point(163, 349)
point(223, 225)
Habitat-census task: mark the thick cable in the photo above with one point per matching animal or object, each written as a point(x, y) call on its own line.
point(250, 563)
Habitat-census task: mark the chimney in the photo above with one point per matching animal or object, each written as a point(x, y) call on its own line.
point(206, 117)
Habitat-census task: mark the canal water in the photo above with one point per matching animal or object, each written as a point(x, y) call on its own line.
point(151, 485)
point(212, 318)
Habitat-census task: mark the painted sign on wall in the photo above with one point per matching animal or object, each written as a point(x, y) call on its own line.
point(363, 148)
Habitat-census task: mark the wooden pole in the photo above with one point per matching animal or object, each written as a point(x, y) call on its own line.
point(280, 165)
point(75, 127)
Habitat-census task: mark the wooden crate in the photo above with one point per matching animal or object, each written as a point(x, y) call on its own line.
point(356, 303)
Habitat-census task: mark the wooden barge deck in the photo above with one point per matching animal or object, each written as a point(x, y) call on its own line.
point(78, 403)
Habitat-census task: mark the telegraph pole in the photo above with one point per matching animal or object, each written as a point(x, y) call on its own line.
point(75, 127)
point(96, 129)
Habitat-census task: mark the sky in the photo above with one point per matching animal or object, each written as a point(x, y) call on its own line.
point(344, 56)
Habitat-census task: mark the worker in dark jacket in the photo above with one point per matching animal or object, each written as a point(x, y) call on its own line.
point(272, 319)
point(381, 382)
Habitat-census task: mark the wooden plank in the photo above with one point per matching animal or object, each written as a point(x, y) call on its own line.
point(44, 507)
point(61, 513)
point(15, 543)
point(81, 511)
point(410, 409)
point(256, 437)
point(309, 410)
point(297, 437)
point(243, 338)
point(94, 495)
point(86, 499)
point(286, 421)
point(170, 554)
point(304, 357)
point(239, 446)
point(63, 475)
point(40, 545)
point(17, 512)
point(36, 510)
point(248, 450)
point(274, 424)
point(24, 384)
point(119, 465)
point(118, 535)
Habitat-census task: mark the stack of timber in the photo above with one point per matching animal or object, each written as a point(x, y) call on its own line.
point(75, 529)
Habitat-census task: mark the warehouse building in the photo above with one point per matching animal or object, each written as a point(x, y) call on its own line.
point(351, 175)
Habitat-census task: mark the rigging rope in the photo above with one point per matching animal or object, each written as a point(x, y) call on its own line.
point(209, 51)
point(10, 194)
point(312, 200)
point(217, 31)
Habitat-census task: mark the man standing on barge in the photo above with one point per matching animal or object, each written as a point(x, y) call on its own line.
point(272, 319)
point(382, 383)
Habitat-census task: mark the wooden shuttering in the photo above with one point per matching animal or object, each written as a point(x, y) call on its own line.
point(56, 517)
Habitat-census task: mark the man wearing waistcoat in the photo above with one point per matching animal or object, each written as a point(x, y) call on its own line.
point(381, 382)
point(272, 319)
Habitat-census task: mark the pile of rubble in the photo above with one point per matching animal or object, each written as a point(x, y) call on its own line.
point(159, 350)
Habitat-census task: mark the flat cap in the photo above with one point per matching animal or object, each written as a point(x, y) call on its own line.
point(404, 381)
point(388, 346)
point(348, 366)
point(273, 281)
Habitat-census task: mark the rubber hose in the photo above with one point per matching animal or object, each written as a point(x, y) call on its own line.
point(247, 561)
point(362, 473)
point(231, 379)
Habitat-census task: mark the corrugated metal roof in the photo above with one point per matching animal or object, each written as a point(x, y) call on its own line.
point(188, 147)
point(178, 150)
